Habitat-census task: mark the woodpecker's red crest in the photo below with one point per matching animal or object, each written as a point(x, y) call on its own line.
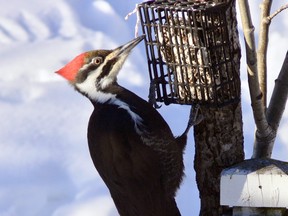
point(94, 71)
point(70, 70)
point(77, 70)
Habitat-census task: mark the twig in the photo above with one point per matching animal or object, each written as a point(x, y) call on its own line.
point(269, 18)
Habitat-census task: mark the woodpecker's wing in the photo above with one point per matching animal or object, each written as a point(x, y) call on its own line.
point(130, 168)
point(156, 134)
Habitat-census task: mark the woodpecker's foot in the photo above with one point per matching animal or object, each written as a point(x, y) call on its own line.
point(194, 118)
point(152, 96)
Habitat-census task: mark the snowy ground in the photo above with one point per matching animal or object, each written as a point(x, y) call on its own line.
point(45, 167)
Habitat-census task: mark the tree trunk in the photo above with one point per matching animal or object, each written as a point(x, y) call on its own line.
point(218, 138)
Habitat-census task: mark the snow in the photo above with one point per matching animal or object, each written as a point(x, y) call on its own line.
point(45, 166)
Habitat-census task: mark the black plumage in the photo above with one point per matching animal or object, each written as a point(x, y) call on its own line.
point(131, 145)
point(144, 171)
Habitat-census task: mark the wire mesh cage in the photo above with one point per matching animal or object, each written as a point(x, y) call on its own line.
point(189, 53)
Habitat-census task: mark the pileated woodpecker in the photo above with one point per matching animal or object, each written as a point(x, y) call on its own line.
point(131, 145)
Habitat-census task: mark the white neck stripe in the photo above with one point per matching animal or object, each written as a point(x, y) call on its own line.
point(109, 98)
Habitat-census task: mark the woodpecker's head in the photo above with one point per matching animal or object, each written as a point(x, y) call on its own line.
point(94, 71)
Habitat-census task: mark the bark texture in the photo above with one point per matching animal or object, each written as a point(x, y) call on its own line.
point(218, 138)
point(218, 144)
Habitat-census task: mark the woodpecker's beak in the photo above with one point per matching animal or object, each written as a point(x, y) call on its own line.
point(124, 50)
point(117, 57)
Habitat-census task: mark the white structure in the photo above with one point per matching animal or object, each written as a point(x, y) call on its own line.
point(255, 185)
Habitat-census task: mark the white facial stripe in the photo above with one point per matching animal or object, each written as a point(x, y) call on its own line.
point(89, 86)
point(106, 81)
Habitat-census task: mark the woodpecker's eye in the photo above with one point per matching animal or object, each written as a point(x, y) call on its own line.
point(97, 60)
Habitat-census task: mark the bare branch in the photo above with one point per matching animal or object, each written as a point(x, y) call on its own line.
point(251, 59)
point(279, 97)
point(269, 18)
point(264, 145)
point(262, 49)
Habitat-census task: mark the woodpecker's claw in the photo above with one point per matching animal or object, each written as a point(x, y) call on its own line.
point(194, 117)
point(152, 96)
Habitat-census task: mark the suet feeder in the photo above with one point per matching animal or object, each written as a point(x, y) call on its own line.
point(189, 52)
